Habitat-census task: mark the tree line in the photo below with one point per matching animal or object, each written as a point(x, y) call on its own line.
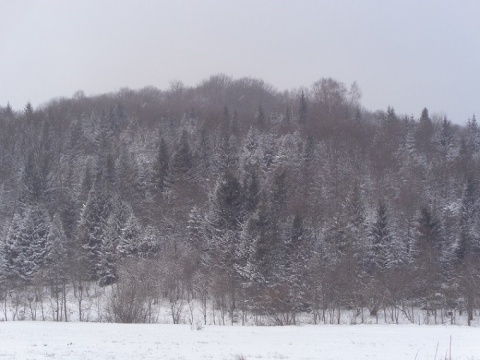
point(259, 202)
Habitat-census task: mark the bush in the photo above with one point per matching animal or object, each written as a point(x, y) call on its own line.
point(129, 300)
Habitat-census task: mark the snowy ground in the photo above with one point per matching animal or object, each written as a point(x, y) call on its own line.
point(49, 340)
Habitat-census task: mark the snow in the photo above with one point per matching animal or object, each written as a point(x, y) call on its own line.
point(80, 340)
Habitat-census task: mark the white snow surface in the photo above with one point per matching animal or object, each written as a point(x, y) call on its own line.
point(79, 340)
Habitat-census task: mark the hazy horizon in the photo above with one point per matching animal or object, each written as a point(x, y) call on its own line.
point(408, 55)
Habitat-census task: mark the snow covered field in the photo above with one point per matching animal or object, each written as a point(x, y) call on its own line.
point(49, 340)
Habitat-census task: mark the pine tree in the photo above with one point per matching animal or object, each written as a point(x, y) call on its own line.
point(227, 154)
point(8, 110)
point(467, 240)
point(391, 115)
point(28, 110)
point(472, 135)
point(34, 181)
point(357, 226)
point(381, 239)
point(297, 256)
point(196, 231)
point(92, 226)
point(12, 249)
point(429, 234)
point(57, 249)
point(428, 256)
point(252, 191)
point(182, 159)
point(303, 112)
point(257, 250)
point(26, 247)
point(161, 168)
point(129, 182)
point(204, 151)
point(38, 226)
point(468, 249)
point(260, 118)
point(130, 237)
point(279, 190)
point(223, 228)
point(227, 204)
point(251, 151)
point(445, 141)
point(108, 254)
point(108, 257)
point(424, 133)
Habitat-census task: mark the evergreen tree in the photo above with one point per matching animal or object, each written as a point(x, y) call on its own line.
point(444, 140)
point(257, 250)
point(252, 191)
point(196, 231)
point(297, 256)
point(108, 254)
point(429, 234)
point(381, 239)
point(26, 247)
point(161, 168)
point(260, 118)
point(28, 110)
point(92, 226)
point(13, 248)
point(8, 110)
point(204, 151)
point(303, 112)
point(57, 250)
point(227, 204)
point(34, 236)
point(182, 159)
point(472, 135)
point(357, 226)
point(108, 257)
point(223, 228)
point(33, 178)
point(130, 237)
point(428, 256)
point(227, 154)
point(467, 238)
point(424, 133)
point(279, 190)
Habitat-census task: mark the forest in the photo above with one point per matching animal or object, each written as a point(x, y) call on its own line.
point(252, 201)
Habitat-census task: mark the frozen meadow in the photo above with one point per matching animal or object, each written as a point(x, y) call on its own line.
point(75, 340)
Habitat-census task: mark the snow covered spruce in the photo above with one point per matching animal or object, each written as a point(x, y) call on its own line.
point(233, 203)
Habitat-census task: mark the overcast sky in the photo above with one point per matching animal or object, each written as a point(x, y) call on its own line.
point(408, 54)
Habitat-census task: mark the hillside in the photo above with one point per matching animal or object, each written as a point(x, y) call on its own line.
point(235, 194)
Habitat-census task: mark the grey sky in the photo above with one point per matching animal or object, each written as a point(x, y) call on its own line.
point(408, 54)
